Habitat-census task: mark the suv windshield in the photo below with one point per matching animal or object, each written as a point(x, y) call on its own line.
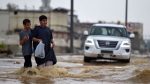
point(109, 31)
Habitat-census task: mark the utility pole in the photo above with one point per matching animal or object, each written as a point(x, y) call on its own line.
point(71, 26)
point(33, 22)
point(49, 18)
point(126, 13)
point(50, 11)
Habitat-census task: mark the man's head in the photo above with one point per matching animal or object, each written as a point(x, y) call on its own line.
point(26, 23)
point(43, 20)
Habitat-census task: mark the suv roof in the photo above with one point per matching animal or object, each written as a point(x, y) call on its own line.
point(110, 25)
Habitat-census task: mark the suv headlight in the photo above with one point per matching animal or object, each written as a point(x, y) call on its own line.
point(125, 44)
point(89, 42)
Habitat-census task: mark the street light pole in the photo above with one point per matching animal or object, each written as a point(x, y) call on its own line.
point(126, 13)
point(71, 26)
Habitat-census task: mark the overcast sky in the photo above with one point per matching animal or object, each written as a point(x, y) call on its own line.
point(95, 10)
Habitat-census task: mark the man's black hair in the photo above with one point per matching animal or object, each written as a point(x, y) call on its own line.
point(42, 17)
point(26, 21)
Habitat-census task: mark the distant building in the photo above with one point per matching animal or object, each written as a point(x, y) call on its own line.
point(133, 27)
point(137, 29)
point(79, 29)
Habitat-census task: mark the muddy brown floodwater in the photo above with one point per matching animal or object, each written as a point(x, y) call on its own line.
point(72, 70)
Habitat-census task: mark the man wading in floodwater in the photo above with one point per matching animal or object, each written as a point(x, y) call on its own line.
point(43, 34)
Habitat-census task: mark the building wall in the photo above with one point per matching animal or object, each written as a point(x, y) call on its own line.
point(81, 27)
point(57, 20)
point(137, 29)
point(16, 20)
point(4, 21)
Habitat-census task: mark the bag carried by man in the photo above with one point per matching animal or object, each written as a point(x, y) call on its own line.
point(39, 51)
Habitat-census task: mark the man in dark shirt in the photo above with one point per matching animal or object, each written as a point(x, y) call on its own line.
point(26, 42)
point(44, 34)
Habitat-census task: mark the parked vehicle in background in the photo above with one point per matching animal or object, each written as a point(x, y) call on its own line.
point(108, 41)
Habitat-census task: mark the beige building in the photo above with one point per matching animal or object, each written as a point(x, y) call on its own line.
point(13, 19)
point(57, 21)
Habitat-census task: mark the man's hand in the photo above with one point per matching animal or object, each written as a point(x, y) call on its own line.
point(25, 38)
point(37, 40)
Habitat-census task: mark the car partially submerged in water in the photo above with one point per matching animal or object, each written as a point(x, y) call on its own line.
point(108, 41)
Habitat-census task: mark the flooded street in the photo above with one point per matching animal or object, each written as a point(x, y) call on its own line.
point(72, 70)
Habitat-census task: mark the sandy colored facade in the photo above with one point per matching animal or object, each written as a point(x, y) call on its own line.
point(57, 21)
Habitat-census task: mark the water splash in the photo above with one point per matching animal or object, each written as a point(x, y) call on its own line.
point(54, 72)
point(142, 76)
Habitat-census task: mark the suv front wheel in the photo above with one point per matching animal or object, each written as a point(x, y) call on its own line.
point(88, 59)
point(125, 61)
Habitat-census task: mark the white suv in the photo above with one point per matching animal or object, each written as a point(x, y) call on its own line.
point(107, 41)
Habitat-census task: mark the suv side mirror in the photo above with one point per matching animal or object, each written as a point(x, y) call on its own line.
point(86, 33)
point(132, 35)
